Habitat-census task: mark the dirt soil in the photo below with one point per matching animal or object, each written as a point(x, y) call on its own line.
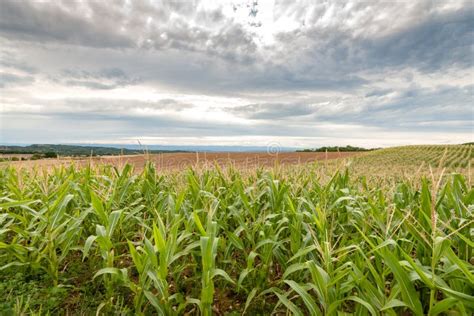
point(19, 156)
point(172, 161)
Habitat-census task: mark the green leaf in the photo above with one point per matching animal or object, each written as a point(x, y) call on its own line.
point(235, 240)
point(155, 302)
point(392, 304)
point(222, 273)
point(87, 245)
point(409, 294)
point(249, 299)
point(159, 240)
point(292, 307)
point(113, 220)
point(303, 252)
point(443, 306)
point(366, 304)
point(107, 271)
point(198, 223)
point(465, 298)
point(295, 267)
point(449, 253)
point(307, 299)
point(98, 208)
point(135, 257)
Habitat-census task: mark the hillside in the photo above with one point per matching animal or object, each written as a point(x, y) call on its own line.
point(448, 156)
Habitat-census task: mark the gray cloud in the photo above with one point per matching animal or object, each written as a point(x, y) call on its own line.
point(313, 56)
point(104, 79)
point(121, 25)
point(8, 79)
point(9, 61)
point(432, 43)
point(410, 109)
point(415, 109)
point(378, 93)
point(391, 66)
point(273, 111)
point(92, 108)
point(442, 40)
point(46, 21)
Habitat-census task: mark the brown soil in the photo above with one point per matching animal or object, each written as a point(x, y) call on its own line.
point(19, 156)
point(173, 161)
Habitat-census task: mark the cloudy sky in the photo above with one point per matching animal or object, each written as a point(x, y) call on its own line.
point(296, 73)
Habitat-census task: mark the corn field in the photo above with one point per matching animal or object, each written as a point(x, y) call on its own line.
point(108, 240)
point(448, 156)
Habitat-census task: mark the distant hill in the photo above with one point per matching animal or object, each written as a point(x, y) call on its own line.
point(74, 150)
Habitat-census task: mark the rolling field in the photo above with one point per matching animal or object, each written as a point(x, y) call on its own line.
point(405, 161)
point(180, 161)
point(413, 162)
point(388, 232)
point(452, 156)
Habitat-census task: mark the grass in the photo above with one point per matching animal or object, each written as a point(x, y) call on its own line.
point(304, 240)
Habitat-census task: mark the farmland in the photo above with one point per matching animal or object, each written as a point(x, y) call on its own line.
point(453, 156)
point(383, 232)
point(179, 161)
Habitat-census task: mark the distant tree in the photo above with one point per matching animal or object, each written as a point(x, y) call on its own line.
point(347, 148)
point(50, 154)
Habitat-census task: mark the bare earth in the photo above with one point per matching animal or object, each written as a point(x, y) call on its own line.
point(19, 156)
point(171, 161)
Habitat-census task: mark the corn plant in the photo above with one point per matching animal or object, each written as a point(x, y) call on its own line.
point(313, 239)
